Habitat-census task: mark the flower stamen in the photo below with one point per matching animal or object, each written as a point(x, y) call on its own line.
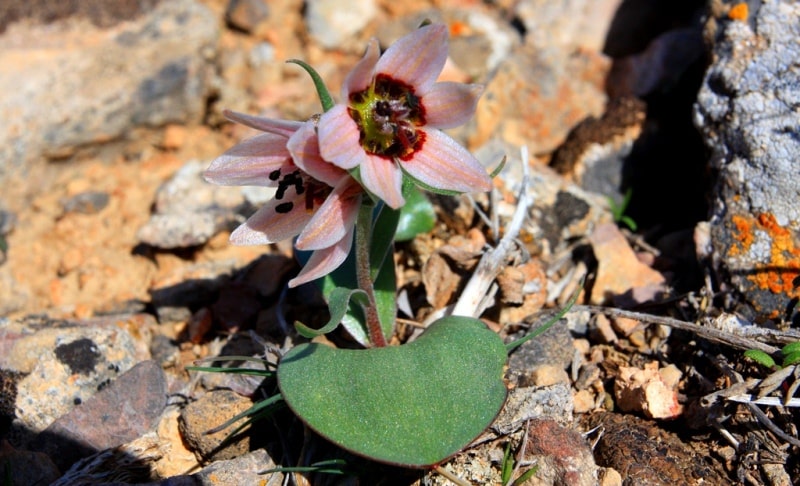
point(388, 113)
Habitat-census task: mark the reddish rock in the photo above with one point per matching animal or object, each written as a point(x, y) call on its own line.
point(124, 410)
point(565, 456)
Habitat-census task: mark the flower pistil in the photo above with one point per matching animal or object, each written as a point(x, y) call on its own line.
point(388, 113)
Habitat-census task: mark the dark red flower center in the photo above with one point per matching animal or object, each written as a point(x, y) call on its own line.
point(388, 114)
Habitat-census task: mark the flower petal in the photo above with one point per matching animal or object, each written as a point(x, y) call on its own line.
point(279, 127)
point(339, 138)
point(383, 178)
point(449, 105)
point(304, 147)
point(323, 262)
point(360, 77)
point(268, 225)
point(416, 58)
point(250, 162)
point(443, 163)
point(333, 219)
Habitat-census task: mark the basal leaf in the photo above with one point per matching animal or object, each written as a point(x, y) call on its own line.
point(413, 405)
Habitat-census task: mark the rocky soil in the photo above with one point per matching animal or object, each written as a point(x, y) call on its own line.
point(662, 140)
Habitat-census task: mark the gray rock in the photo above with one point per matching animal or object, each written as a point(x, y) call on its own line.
point(133, 462)
point(99, 12)
point(332, 22)
point(86, 84)
point(560, 211)
point(553, 347)
point(552, 402)
point(571, 23)
point(189, 211)
point(246, 14)
point(483, 42)
point(245, 469)
point(747, 110)
point(89, 202)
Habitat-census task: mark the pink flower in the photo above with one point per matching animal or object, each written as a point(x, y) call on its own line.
point(314, 199)
point(391, 119)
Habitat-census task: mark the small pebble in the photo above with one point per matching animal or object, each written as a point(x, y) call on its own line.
point(91, 202)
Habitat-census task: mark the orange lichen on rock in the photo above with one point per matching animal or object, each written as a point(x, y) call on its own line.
point(784, 264)
point(743, 233)
point(458, 28)
point(779, 273)
point(739, 12)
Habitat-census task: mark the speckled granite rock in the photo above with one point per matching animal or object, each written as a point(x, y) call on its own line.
point(70, 366)
point(747, 110)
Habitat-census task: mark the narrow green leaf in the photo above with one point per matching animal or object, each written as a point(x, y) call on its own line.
point(257, 407)
point(383, 231)
point(214, 359)
point(322, 91)
point(629, 222)
point(416, 216)
point(385, 287)
point(233, 371)
point(526, 475)
point(428, 188)
point(760, 357)
point(342, 277)
point(331, 466)
point(541, 329)
point(339, 300)
point(260, 414)
point(499, 167)
point(507, 466)
point(385, 280)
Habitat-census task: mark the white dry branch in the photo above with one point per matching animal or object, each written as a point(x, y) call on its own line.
point(772, 401)
point(479, 290)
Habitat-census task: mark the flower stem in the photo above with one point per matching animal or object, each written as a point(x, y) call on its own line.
point(363, 273)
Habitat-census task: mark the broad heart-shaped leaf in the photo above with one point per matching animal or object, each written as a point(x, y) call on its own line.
point(413, 405)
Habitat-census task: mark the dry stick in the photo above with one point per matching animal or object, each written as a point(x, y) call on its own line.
point(469, 303)
point(762, 417)
point(521, 453)
point(709, 333)
point(759, 414)
point(452, 477)
point(771, 401)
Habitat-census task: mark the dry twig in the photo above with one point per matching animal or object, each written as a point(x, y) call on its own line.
point(715, 335)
